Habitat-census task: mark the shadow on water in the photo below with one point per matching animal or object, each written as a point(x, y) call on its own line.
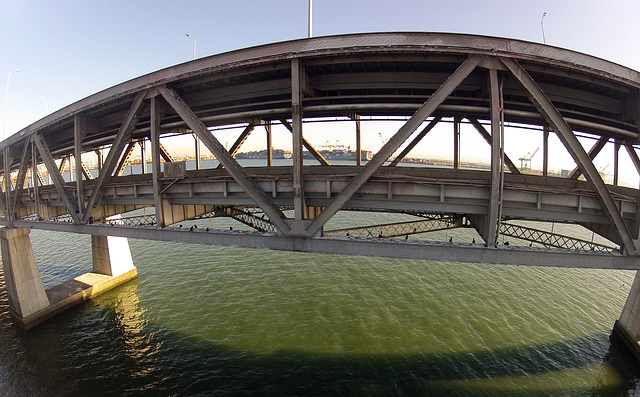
point(109, 347)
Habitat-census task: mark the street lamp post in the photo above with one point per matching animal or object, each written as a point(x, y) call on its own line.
point(6, 99)
point(544, 40)
point(310, 17)
point(194, 45)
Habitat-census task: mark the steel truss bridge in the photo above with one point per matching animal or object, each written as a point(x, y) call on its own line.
point(424, 79)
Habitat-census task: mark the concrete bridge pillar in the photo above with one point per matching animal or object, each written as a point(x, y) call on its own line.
point(111, 255)
point(628, 325)
point(30, 304)
point(25, 290)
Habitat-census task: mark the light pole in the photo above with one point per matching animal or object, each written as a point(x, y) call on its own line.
point(6, 98)
point(544, 40)
point(194, 45)
point(310, 17)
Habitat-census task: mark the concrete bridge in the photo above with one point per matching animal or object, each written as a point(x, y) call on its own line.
point(423, 79)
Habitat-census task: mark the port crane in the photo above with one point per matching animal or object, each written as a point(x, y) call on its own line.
point(525, 161)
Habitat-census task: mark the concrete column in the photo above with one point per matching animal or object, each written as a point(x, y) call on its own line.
point(630, 316)
point(628, 325)
point(111, 255)
point(24, 286)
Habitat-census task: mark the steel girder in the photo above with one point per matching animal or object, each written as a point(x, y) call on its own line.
point(427, 75)
point(394, 143)
point(232, 166)
point(571, 143)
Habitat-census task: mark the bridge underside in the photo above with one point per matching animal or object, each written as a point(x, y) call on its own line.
point(422, 81)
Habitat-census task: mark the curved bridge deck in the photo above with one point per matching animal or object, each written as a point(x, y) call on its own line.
point(423, 79)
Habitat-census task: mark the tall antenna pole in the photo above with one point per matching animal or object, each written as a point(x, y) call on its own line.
point(310, 17)
point(544, 40)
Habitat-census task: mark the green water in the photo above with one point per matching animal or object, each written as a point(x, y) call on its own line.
point(204, 320)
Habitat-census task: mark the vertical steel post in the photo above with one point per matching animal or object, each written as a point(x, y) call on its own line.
point(496, 149)
point(79, 131)
point(358, 141)
point(99, 154)
point(143, 157)
point(197, 151)
point(34, 177)
point(545, 150)
point(267, 128)
point(7, 184)
point(155, 159)
point(296, 121)
point(616, 163)
point(456, 143)
point(636, 162)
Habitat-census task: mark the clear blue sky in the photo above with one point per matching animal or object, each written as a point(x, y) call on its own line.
point(67, 50)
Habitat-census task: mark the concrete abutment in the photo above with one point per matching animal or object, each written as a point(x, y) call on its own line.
point(30, 304)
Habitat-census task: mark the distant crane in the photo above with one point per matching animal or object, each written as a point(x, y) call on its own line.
point(525, 161)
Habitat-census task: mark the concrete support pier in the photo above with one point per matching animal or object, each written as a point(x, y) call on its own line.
point(628, 325)
point(30, 304)
point(25, 290)
point(111, 255)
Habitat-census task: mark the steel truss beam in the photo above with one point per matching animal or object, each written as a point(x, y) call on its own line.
point(54, 173)
point(593, 152)
point(312, 150)
point(122, 137)
point(487, 137)
point(22, 173)
point(573, 146)
point(165, 154)
point(439, 96)
point(230, 164)
point(243, 137)
point(417, 140)
point(124, 161)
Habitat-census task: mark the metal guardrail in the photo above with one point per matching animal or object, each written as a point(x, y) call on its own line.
point(259, 223)
point(555, 240)
point(397, 229)
point(141, 220)
point(250, 219)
